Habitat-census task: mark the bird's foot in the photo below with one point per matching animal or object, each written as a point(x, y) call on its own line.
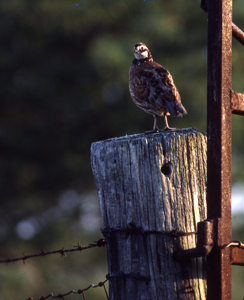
point(155, 130)
point(168, 128)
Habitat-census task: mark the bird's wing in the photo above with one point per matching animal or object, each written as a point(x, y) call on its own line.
point(153, 89)
point(170, 93)
point(166, 85)
point(156, 85)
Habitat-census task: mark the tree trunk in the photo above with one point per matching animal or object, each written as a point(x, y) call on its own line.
point(152, 193)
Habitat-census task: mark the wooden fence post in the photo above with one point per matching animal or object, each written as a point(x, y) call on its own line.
point(152, 189)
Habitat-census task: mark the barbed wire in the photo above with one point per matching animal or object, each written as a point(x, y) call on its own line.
point(123, 275)
point(100, 284)
point(80, 291)
point(140, 230)
point(100, 243)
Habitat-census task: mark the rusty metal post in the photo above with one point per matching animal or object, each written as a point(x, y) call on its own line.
point(219, 144)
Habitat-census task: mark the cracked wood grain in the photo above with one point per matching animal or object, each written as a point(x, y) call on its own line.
point(156, 182)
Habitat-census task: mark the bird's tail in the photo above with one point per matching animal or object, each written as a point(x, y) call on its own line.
point(176, 109)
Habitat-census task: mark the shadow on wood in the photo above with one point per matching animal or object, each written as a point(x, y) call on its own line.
point(152, 194)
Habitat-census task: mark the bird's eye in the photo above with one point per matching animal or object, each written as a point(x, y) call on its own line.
point(142, 49)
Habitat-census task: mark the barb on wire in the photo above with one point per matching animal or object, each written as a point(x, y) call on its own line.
point(80, 291)
point(100, 243)
point(234, 243)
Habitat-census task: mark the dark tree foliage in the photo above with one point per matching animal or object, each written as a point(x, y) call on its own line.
point(63, 85)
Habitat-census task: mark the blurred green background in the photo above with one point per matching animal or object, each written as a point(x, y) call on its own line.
point(64, 84)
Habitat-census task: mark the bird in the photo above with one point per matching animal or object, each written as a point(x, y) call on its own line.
point(152, 88)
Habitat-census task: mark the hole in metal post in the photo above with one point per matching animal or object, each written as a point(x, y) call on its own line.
point(166, 169)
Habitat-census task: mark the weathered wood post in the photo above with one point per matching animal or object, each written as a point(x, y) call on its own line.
point(152, 194)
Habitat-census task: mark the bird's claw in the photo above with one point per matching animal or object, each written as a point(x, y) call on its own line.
point(155, 130)
point(168, 128)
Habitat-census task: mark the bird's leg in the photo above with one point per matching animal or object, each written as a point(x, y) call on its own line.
point(155, 125)
point(166, 123)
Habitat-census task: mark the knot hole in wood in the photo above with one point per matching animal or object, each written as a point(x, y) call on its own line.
point(166, 169)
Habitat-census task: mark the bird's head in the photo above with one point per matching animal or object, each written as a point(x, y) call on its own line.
point(142, 52)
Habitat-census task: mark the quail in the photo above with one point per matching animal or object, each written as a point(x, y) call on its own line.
point(152, 87)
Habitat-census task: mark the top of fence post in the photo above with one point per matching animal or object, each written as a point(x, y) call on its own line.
point(152, 194)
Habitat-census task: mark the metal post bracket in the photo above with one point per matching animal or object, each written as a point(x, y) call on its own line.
point(237, 256)
point(206, 240)
point(237, 103)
